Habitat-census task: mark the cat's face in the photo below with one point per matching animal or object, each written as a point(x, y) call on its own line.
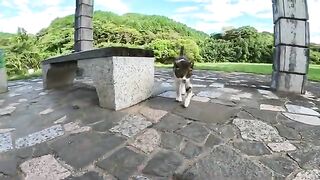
point(183, 68)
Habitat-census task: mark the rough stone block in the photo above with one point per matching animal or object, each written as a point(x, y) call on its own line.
point(83, 21)
point(122, 76)
point(132, 81)
point(291, 32)
point(83, 45)
point(88, 2)
point(290, 9)
point(84, 34)
point(58, 75)
point(3, 81)
point(287, 82)
point(291, 59)
point(84, 10)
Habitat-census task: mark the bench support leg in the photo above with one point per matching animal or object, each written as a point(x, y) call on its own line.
point(58, 75)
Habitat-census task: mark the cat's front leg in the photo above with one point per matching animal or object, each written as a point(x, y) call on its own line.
point(189, 93)
point(178, 90)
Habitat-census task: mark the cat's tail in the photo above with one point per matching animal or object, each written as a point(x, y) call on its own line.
point(182, 51)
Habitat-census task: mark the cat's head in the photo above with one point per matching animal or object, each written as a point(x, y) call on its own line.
point(183, 68)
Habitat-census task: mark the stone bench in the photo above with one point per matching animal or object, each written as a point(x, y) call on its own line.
point(122, 76)
point(3, 74)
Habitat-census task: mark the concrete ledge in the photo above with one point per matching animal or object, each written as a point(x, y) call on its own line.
point(101, 53)
point(3, 81)
point(122, 78)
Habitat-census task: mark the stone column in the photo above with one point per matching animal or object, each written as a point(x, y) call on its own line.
point(291, 40)
point(83, 35)
point(3, 74)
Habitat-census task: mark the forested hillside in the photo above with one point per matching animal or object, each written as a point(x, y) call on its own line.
point(161, 34)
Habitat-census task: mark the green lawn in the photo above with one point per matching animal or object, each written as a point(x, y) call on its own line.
point(25, 76)
point(314, 70)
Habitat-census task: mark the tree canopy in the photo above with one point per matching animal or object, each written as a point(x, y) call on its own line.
point(162, 35)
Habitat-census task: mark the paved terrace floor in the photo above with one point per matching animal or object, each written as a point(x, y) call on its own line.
point(235, 128)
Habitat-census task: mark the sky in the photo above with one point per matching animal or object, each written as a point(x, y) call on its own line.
point(205, 15)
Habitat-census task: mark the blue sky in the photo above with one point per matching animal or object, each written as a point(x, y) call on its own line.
point(205, 15)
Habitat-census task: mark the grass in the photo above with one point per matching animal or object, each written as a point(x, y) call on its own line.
point(314, 70)
point(255, 68)
point(25, 76)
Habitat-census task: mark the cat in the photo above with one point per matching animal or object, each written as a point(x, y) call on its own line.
point(182, 70)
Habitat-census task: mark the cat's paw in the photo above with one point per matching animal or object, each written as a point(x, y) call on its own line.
point(179, 99)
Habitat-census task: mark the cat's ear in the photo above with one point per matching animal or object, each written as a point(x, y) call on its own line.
point(192, 63)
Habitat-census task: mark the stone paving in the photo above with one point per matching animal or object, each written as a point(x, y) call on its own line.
point(234, 128)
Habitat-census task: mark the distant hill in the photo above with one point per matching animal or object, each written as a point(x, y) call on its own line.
point(5, 35)
point(131, 30)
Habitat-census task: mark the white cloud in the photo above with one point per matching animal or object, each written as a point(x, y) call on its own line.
point(117, 6)
point(218, 13)
point(32, 21)
point(187, 9)
point(211, 27)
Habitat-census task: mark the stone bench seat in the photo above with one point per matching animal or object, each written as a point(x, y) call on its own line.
point(122, 76)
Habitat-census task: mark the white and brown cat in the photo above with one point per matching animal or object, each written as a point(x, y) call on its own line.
point(182, 69)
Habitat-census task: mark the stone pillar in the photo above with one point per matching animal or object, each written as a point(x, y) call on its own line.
point(3, 74)
point(291, 40)
point(83, 35)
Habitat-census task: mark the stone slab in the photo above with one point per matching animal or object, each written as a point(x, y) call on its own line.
point(171, 141)
point(288, 133)
point(252, 148)
point(306, 158)
point(291, 32)
point(122, 164)
point(301, 110)
point(40, 136)
point(168, 94)
point(269, 107)
point(44, 167)
point(210, 94)
point(282, 147)
point(268, 94)
point(7, 110)
point(195, 132)
point(131, 125)
point(154, 115)
point(225, 163)
point(8, 164)
point(148, 141)
point(163, 164)
point(3, 81)
point(5, 142)
point(291, 59)
point(213, 140)
point(310, 120)
point(87, 176)
point(171, 123)
point(312, 174)
point(287, 82)
point(207, 112)
point(290, 9)
point(92, 145)
point(280, 165)
point(191, 150)
point(200, 99)
point(255, 130)
point(217, 85)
